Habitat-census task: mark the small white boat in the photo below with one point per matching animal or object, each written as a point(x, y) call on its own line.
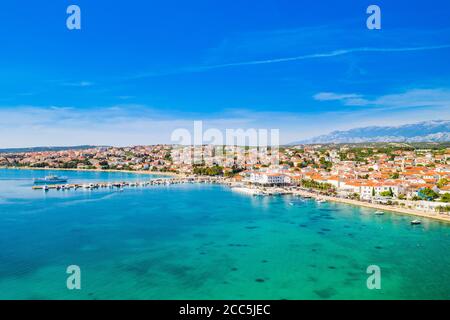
point(321, 201)
point(379, 213)
point(415, 222)
point(291, 203)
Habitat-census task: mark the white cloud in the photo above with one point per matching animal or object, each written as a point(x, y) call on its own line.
point(434, 98)
point(415, 98)
point(79, 84)
point(330, 96)
point(23, 126)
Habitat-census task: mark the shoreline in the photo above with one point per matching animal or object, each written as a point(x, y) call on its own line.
point(392, 209)
point(397, 210)
point(404, 211)
point(143, 172)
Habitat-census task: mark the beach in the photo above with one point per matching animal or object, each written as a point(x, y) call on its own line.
point(396, 209)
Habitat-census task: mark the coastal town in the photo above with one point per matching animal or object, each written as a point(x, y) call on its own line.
point(397, 176)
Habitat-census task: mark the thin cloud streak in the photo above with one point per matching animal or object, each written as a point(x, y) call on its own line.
point(330, 54)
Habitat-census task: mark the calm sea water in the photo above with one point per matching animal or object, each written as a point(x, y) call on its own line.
point(207, 242)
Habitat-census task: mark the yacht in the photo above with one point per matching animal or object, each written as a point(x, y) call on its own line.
point(50, 180)
point(415, 222)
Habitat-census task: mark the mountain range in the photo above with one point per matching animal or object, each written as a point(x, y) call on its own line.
point(427, 131)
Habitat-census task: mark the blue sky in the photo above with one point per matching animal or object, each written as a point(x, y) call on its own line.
point(140, 69)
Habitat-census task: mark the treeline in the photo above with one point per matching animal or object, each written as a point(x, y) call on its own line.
point(443, 209)
point(312, 184)
point(73, 164)
point(208, 171)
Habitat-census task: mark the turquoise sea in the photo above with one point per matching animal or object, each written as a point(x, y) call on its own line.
point(207, 242)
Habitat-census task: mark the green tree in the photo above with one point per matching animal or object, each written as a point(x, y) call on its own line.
point(385, 194)
point(427, 193)
point(445, 197)
point(208, 171)
point(395, 175)
point(442, 182)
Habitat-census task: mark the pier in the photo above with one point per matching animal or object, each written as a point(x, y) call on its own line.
point(123, 184)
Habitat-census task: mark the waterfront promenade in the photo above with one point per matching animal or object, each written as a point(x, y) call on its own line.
point(250, 190)
point(391, 208)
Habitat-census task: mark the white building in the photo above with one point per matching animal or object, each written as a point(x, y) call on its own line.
point(269, 178)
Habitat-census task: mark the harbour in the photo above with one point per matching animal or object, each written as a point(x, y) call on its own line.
point(252, 190)
point(160, 241)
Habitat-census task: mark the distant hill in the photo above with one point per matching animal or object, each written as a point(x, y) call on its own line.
point(40, 149)
point(428, 131)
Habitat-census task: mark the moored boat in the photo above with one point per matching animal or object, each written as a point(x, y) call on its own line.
point(50, 180)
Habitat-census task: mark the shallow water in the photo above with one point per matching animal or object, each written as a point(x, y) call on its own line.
point(207, 242)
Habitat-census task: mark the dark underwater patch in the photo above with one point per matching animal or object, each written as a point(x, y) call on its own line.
point(237, 245)
point(327, 210)
point(325, 293)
